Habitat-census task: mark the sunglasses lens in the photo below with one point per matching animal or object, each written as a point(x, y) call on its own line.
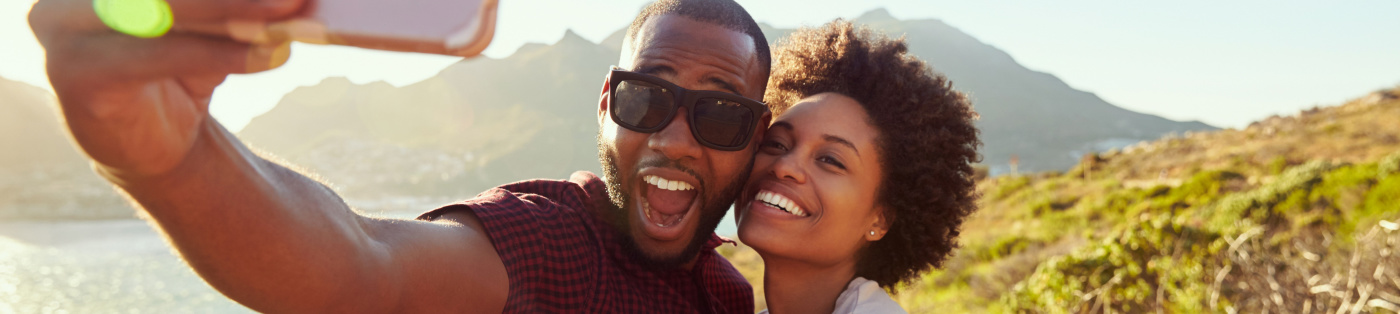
point(641, 104)
point(723, 122)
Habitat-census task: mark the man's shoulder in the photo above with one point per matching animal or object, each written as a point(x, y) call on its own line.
point(531, 217)
point(717, 270)
point(530, 197)
point(576, 193)
point(547, 237)
point(724, 282)
point(577, 180)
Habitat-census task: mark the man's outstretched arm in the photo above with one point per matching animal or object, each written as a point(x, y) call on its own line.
point(266, 236)
point(275, 240)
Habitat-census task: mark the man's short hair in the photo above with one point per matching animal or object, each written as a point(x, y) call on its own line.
point(726, 13)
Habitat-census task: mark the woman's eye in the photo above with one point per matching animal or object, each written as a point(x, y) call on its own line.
point(772, 146)
point(832, 161)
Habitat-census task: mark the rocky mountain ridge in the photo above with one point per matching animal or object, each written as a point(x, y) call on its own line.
point(533, 114)
point(484, 122)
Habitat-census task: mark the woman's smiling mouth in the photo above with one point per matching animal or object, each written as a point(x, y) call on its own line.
point(780, 202)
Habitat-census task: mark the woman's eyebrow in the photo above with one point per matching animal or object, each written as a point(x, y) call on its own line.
point(838, 140)
point(783, 124)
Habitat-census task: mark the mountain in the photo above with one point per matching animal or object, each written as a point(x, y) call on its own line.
point(1034, 115)
point(477, 124)
point(30, 130)
point(483, 122)
point(42, 174)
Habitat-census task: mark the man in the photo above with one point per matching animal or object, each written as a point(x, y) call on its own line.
point(677, 125)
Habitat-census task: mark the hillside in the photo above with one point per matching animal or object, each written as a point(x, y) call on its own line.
point(1291, 213)
point(42, 174)
point(477, 124)
point(30, 130)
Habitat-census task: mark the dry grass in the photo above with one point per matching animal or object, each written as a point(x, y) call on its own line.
point(1309, 277)
point(1360, 130)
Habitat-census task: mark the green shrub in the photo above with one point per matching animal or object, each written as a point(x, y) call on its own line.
point(1124, 202)
point(1388, 165)
point(1200, 189)
point(1239, 211)
point(1005, 186)
point(1381, 201)
point(1278, 165)
point(1052, 203)
point(1344, 180)
point(1124, 273)
point(1004, 247)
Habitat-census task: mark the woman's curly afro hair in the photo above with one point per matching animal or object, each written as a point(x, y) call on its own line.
point(927, 139)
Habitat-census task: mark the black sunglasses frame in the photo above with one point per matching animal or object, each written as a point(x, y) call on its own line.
point(685, 98)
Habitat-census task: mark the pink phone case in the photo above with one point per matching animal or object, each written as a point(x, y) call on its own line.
point(450, 27)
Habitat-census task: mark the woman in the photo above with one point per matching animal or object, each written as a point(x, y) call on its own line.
point(864, 176)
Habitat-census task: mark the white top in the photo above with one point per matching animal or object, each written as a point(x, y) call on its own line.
point(864, 296)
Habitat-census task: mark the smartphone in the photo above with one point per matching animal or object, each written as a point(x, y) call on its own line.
point(448, 27)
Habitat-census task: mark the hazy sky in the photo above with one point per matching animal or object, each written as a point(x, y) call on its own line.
point(1224, 63)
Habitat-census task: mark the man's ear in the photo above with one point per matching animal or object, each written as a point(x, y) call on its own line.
point(763, 123)
point(880, 225)
point(603, 100)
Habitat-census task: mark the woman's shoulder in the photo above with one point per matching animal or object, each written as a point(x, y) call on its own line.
point(865, 296)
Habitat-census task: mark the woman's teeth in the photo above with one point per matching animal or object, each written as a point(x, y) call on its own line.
point(783, 203)
point(668, 184)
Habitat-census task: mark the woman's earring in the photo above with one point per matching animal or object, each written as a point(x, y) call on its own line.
point(872, 232)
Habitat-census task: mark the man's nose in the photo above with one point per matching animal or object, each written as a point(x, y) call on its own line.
point(675, 141)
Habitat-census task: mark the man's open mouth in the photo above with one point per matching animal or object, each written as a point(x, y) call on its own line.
point(667, 201)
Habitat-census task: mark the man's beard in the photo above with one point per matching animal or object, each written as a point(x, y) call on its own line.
point(712, 210)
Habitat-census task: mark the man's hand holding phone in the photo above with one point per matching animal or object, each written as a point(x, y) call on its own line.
point(135, 105)
point(135, 96)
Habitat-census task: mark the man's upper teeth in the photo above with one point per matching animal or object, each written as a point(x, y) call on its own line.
point(782, 203)
point(668, 184)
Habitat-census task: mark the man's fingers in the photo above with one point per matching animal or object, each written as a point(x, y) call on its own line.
point(49, 18)
point(210, 17)
point(201, 89)
point(193, 55)
point(220, 11)
point(120, 57)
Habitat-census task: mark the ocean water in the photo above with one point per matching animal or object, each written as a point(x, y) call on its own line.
point(115, 266)
point(108, 266)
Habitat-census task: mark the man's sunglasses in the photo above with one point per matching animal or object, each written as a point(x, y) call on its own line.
point(646, 104)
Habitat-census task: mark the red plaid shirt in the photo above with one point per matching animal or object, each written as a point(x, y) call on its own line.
point(562, 257)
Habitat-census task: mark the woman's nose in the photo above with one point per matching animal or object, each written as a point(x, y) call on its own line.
point(789, 167)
